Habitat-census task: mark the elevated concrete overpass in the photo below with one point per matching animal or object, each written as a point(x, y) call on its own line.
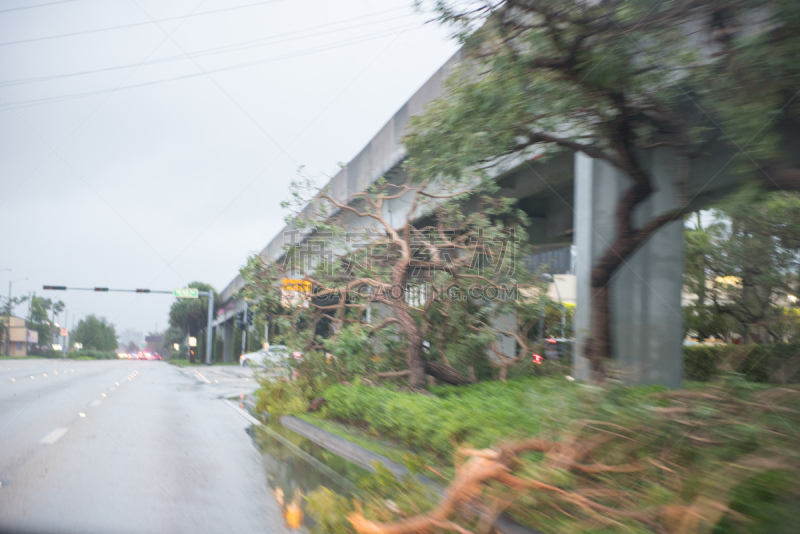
point(571, 199)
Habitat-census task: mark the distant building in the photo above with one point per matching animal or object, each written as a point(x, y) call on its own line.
point(20, 337)
point(131, 336)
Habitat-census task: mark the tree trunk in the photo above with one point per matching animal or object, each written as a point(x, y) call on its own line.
point(598, 348)
point(414, 360)
point(503, 373)
point(447, 374)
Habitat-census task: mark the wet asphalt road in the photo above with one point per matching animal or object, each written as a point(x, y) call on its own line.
point(128, 446)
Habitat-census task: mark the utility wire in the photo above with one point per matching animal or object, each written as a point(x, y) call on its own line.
point(134, 24)
point(256, 43)
point(50, 100)
point(35, 5)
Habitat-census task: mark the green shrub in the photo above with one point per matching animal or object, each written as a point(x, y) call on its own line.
point(723, 456)
point(47, 353)
point(283, 397)
point(90, 354)
point(757, 363)
point(477, 414)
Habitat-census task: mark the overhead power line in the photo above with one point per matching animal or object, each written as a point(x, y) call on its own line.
point(134, 24)
point(35, 5)
point(51, 100)
point(245, 45)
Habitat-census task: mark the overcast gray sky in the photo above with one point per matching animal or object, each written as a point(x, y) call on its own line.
point(144, 143)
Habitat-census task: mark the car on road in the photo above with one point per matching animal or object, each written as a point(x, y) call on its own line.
point(277, 355)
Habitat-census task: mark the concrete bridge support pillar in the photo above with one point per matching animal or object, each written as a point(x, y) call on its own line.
point(227, 340)
point(646, 317)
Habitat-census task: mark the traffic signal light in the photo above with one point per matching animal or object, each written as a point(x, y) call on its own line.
point(249, 318)
point(59, 288)
point(101, 289)
point(143, 291)
point(240, 320)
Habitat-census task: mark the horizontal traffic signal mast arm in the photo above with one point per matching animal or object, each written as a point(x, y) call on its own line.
point(178, 293)
point(106, 289)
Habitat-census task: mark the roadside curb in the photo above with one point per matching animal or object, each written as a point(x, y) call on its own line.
point(359, 455)
point(363, 457)
point(348, 450)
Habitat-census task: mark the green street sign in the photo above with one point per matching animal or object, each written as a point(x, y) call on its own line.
point(185, 293)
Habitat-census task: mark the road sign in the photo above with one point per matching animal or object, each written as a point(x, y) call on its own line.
point(63, 332)
point(295, 293)
point(192, 341)
point(185, 293)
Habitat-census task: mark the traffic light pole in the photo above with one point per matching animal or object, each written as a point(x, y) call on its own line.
point(209, 294)
point(210, 325)
point(244, 332)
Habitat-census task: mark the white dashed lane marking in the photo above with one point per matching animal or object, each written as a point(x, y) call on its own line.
point(53, 436)
point(95, 403)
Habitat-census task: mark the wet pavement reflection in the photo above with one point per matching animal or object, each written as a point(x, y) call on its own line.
point(296, 466)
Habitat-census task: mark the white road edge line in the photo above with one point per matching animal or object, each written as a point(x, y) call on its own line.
point(201, 376)
point(243, 413)
point(53, 436)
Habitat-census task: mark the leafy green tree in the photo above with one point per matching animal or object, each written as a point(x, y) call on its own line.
point(744, 267)
point(95, 333)
point(700, 317)
point(40, 319)
point(190, 316)
point(614, 81)
point(390, 279)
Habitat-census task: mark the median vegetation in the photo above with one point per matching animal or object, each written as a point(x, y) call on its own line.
point(93, 355)
point(567, 457)
point(721, 456)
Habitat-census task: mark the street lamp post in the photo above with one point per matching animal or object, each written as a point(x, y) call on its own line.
point(8, 325)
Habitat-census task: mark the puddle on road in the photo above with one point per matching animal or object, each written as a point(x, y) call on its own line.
point(296, 466)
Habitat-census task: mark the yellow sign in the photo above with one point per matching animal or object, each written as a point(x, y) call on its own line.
point(290, 284)
point(294, 293)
